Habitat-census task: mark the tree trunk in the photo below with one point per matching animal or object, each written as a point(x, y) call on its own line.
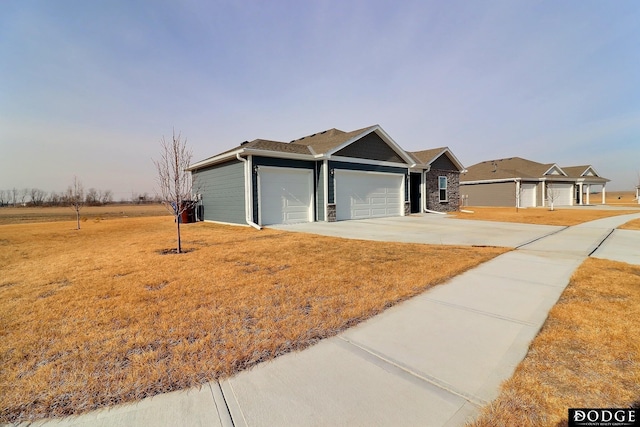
point(78, 218)
point(178, 228)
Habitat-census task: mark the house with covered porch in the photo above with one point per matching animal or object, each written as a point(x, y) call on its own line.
point(515, 181)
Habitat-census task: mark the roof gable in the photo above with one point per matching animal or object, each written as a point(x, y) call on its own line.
point(335, 142)
point(370, 147)
point(555, 170)
point(324, 141)
point(438, 158)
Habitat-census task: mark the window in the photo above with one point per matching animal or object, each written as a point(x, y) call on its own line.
point(442, 188)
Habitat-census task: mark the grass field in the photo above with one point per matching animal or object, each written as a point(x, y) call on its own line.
point(587, 354)
point(97, 316)
point(22, 215)
point(559, 216)
point(617, 198)
point(631, 225)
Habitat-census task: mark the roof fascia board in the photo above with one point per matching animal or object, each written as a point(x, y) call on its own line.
point(491, 181)
point(250, 151)
point(369, 162)
point(279, 154)
point(381, 133)
point(215, 159)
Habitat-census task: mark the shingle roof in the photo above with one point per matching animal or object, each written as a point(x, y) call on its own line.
point(575, 171)
point(283, 147)
point(513, 167)
point(426, 156)
point(323, 142)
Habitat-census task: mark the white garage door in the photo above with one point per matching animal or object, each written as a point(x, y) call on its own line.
point(563, 194)
point(285, 195)
point(527, 195)
point(362, 195)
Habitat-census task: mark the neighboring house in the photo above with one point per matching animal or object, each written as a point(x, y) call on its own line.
point(328, 176)
point(524, 183)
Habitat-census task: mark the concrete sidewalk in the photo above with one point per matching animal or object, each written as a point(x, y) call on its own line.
point(431, 361)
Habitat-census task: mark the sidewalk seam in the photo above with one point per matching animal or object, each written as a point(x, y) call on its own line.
point(424, 377)
point(601, 242)
point(481, 312)
point(224, 414)
point(541, 237)
point(232, 403)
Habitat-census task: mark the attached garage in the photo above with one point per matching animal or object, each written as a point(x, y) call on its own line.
point(527, 195)
point(285, 195)
point(563, 193)
point(361, 195)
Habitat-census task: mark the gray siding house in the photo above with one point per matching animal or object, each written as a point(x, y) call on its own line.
point(524, 183)
point(328, 176)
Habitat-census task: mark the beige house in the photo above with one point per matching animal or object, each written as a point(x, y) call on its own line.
point(524, 183)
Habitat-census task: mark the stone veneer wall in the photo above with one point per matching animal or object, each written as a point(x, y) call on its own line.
point(453, 191)
point(331, 212)
point(407, 208)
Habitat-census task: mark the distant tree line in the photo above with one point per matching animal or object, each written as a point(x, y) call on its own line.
point(38, 197)
point(92, 197)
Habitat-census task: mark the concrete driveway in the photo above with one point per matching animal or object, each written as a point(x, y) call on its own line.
point(429, 229)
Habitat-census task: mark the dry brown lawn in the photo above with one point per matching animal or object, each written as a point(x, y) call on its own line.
point(631, 225)
point(99, 317)
point(559, 216)
point(587, 354)
point(22, 215)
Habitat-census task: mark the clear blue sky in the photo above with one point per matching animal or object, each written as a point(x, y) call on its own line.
point(88, 88)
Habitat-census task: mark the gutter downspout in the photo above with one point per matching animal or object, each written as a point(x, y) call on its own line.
point(247, 192)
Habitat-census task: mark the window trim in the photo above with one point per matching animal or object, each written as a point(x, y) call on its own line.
point(440, 189)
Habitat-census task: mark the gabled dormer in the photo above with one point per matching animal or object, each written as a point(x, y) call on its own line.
point(555, 170)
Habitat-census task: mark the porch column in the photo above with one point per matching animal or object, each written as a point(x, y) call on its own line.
point(588, 191)
point(423, 189)
point(579, 201)
point(544, 194)
point(604, 197)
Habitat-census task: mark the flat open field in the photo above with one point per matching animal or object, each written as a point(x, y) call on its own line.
point(617, 198)
point(559, 216)
point(587, 354)
point(97, 316)
point(21, 215)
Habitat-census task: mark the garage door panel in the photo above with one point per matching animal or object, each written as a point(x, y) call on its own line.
point(285, 195)
point(362, 195)
point(528, 196)
point(564, 194)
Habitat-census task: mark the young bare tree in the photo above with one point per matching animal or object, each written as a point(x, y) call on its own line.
point(173, 179)
point(75, 198)
point(553, 194)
